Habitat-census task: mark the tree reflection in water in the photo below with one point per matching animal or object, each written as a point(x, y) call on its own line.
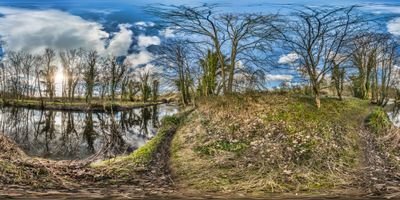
point(394, 114)
point(78, 135)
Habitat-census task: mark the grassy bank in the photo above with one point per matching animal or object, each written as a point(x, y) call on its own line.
point(387, 136)
point(269, 143)
point(252, 144)
point(152, 157)
point(136, 170)
point(96, 105)
point(16, 168)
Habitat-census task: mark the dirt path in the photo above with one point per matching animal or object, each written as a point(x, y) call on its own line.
point(377, 174)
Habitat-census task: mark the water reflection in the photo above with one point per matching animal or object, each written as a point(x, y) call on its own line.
point(78, 135)
point(394, 115)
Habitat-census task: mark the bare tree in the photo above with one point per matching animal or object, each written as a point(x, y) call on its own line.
point(15, 61)
point(387, 58)
point(250, 36)
point(117, 70)
point(155, 90)
point(133, 88)
point(234, 36)
point(38, 68)
point(103, 77)
point(90, 74)
point(338, 78)
point(72, 62)
point(364, 53)
point(49, 71)
point(145, 85)
point(202, 21)
point(317, 36)
point(175, 54)
point(3, 81)
point(28, 64)
point(210, 67)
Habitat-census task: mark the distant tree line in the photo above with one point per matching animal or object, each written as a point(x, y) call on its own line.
point(222, 53)
point(216, 53)
point(84, 73)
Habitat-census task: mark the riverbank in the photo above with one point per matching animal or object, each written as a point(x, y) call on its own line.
point(259, 143)
point(142, 173)
point(256, 146)
point(95, 106)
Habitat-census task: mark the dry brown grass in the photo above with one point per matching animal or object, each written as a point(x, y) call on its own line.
point(268, 143)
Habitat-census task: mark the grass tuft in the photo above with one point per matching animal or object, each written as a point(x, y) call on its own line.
point(378, 121)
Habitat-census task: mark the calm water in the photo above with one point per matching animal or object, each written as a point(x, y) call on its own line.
point(394, 115)
point(78, 135)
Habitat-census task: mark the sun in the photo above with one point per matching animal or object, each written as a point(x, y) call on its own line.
point(59, 81)
point(59, 77)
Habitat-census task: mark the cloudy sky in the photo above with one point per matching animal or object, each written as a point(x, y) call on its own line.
point(122, 27)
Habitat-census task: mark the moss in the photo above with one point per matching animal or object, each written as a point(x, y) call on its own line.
point(144, 154)
point(123, 167)
point(378, 121)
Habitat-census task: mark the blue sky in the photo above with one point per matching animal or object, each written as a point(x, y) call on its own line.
point(122, 27)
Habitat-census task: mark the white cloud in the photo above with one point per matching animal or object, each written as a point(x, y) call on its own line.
point(278, 77)
point(167, 33)
point(239, 65)
point(288, 58)
point(393, 26)
point(145, 24)
point(121, 42)
point(34, 30)
point(149, 68)
point(382, 9)
point(102, 11)
point(145, 41)
point(140, 58)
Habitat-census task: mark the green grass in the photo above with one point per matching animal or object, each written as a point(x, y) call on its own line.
point(387, 135)
point(65, 104)
point(378, 121)
point(123, 167)
point(269, 143)
point(143, 156)
point(26, 173)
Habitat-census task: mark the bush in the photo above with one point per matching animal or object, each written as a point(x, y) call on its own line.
point(378, 121)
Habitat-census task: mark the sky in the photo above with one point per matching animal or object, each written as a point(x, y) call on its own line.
point(122, 27)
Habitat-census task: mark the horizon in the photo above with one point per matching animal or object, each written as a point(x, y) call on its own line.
point(124, 28)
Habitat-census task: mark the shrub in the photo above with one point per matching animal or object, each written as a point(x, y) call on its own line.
point(378, 121)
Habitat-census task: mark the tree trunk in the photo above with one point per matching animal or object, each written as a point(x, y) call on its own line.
point(318, 101)
point(230, 80)
point(316, 90)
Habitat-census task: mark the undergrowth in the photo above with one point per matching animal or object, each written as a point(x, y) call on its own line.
point(269, 143)
point(378, 121)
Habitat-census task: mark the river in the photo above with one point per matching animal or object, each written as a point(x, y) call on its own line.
point(61, 135)
point(393, 112)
